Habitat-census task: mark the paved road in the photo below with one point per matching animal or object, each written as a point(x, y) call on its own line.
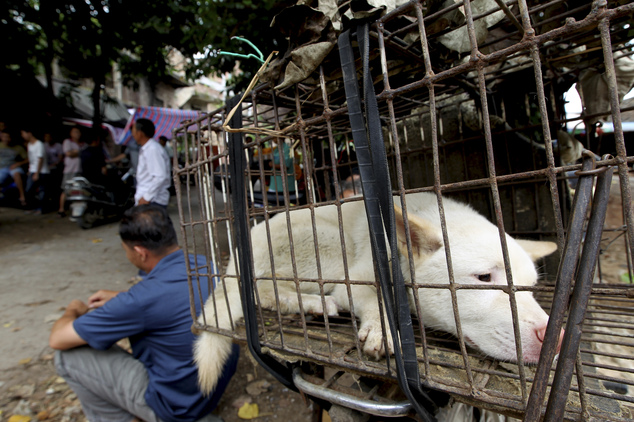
point(45, 262)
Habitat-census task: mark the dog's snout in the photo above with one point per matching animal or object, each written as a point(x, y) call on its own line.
point(541, 334)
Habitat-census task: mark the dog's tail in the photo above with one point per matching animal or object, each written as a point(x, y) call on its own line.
point(212, 350)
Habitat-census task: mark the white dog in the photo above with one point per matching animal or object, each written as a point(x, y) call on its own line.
point(476, 256)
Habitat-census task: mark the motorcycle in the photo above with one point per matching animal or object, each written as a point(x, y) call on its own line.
point(91, 203)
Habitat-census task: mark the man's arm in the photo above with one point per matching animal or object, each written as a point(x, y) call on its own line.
point(100, 298)
point(63, 335)
point(117, 158)
point(19, 163)
point(40, 163)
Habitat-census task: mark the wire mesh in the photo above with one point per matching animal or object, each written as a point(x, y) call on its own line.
point(479, 123)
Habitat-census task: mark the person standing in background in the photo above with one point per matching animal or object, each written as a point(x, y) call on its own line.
point(55, 160)
point(72, 164)
point(165, 143)
point(38, 170)
point(153, 171)
point(12, 158)
point(286, 160)
point(54, 153)
point(93, 159)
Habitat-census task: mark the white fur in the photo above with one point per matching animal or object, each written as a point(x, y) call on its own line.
point(475, 249)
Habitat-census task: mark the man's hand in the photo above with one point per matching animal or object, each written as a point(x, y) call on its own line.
point(100, 298)
point(36, 176)
point(143, 201)
point(63, 335)
point(76, 308)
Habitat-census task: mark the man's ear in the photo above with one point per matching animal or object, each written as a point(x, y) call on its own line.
point(424, 237)
point(537, 249)
point(142, 252)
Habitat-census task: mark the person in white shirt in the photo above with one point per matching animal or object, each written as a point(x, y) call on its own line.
point(72, 164)
point(165, 143)
point(153, 170)
point(38, 170)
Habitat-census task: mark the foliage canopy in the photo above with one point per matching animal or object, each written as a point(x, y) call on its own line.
point(87, 37)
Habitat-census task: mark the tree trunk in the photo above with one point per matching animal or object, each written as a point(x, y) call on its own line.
point(47, 18)
point(97, 119)
point(50, 93)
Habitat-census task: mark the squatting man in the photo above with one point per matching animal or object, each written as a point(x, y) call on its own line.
point(158, 380)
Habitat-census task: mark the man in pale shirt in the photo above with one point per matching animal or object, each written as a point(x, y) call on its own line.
point(153, 170)
point(38, 170)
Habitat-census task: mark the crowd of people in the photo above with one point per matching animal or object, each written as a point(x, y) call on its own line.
point(35, 165)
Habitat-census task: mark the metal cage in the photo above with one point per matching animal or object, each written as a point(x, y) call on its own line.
point(483, 123)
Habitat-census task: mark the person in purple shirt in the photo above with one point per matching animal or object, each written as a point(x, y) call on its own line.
point(158, 380)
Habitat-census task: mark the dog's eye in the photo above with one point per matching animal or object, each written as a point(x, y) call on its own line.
point(484, 277)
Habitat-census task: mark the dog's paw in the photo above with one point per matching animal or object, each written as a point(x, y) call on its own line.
point(331, 306)
point(372, 334)
point(313, 305)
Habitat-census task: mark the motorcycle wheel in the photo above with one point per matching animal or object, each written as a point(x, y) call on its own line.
point(89, 218)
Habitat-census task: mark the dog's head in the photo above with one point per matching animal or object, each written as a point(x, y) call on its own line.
point(476, 259)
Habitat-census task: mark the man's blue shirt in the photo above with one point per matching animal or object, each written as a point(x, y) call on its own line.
point(155, 315)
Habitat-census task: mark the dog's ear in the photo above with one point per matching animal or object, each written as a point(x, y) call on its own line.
point(537, 249)
point(425, 238)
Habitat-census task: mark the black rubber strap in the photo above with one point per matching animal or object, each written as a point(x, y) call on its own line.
point(377, 192)
point(237, 166)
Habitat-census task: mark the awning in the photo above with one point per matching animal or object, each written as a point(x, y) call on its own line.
point(164, 119)
point(79, 101)
point(115, 132)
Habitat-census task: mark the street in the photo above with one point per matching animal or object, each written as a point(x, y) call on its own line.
point(46, 262)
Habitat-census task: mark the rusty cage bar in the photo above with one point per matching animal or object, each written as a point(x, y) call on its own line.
point(471, 97)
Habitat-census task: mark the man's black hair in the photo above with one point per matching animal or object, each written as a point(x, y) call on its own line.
point(148, 225)
point(146, 126)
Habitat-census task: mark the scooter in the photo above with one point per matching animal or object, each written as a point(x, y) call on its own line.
point(91, 204)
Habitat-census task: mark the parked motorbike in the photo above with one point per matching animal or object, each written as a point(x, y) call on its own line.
point(91, 204)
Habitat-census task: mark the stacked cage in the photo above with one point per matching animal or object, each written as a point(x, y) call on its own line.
point(471, 100)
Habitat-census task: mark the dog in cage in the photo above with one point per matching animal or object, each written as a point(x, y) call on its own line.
point(476, 256)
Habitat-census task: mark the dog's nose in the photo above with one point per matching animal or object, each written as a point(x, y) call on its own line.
point(541, 334)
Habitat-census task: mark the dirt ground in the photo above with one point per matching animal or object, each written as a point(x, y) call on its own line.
point(46, 262)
